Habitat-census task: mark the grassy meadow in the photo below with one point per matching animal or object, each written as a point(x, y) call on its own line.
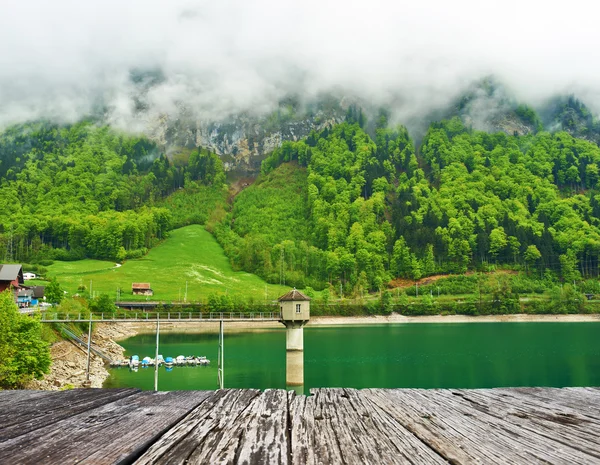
point(190, 254)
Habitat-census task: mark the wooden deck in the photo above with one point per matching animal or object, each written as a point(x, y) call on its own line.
point(98, 426)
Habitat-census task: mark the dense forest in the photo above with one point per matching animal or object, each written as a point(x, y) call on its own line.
point(353, 206)
point(371, 209)
point(88, 191)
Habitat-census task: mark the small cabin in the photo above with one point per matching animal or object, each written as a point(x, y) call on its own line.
point(10, 276)
point(141, 289)
point(294, 306)
point(25, 298)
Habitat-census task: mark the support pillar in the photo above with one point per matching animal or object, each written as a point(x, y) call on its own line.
point(294, 344)
point(221, 357)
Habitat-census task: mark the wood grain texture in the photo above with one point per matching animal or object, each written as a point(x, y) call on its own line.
point(103, 435)
point(371, 426)
point(27, 415)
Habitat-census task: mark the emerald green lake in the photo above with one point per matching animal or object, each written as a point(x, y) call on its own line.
point(471, 355)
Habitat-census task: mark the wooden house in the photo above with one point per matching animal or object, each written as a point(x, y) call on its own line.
point(141, 289)
point(294, 306)
point(10, 276)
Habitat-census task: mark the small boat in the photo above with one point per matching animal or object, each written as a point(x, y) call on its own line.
point(180, 360)
point(134, 361)
point(169, 362)
point(146, 362)
point(160, 360)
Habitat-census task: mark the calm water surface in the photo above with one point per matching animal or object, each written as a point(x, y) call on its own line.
point(472, 355)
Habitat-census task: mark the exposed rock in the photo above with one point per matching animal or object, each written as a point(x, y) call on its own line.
point(69, 362)
point(242, 141)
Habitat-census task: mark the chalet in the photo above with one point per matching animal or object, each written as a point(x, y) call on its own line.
point(141, 289)
point(10, 276)
point(25, 298)
point(29, 296)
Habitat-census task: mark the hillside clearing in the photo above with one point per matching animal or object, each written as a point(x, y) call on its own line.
point(190, 254)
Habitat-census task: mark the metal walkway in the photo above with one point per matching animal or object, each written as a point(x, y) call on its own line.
point(133, 317)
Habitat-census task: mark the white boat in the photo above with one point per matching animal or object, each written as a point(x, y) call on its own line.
point(134, 361)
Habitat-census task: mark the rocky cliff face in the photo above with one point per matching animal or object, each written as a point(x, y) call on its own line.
point(242, 141)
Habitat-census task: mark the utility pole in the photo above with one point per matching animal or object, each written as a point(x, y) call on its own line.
point(185, 295)
point(156, 355)
point(281, 258)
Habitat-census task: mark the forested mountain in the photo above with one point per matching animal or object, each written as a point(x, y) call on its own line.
point(88, 191)
point(353, 205)
point(377, 210)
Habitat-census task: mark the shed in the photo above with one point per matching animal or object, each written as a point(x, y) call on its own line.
point(141, 289)
point(294, 306)
point(10, 275)
point(38, 291)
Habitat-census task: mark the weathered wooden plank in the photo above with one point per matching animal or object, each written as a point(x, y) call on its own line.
point(258, 435)
point(585, 400)
point(9, 397)
point(455, 431)
point(200, 433)
point(554, 422)
point(424, 425)
point(347, 428)
point(32, 401)
point(480, 432)
point(39, 412)
point(113, 433)
point(384, 438)
point(302, 426)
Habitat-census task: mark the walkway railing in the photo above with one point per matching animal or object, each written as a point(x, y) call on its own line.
point(62, 317)
point(76, 339)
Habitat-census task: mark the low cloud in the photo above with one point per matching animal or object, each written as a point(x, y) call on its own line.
point(135, 60)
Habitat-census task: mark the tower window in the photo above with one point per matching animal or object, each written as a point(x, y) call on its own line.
point(297, 308)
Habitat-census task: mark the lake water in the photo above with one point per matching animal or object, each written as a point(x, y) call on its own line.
point(471, 355)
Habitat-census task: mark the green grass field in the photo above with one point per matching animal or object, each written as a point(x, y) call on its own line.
point(190, 254)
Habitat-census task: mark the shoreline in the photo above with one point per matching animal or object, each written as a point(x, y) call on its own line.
point(320, 321)
point(395, 318)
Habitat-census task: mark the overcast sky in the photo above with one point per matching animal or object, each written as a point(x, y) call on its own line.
point(60, 57)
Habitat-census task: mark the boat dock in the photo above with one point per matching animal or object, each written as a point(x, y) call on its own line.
point(124, 426)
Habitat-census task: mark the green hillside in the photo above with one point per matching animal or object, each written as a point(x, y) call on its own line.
point(377, 209)
point(190, 254)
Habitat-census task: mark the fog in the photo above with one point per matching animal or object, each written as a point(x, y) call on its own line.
point(64, 59)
